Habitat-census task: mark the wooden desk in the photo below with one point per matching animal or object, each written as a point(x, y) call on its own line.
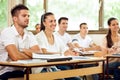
point(58, 74)
point(107, 62)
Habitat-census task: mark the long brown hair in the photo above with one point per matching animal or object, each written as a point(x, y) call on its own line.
point(108, 36)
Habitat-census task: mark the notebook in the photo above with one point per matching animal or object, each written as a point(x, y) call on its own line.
point(51, 57)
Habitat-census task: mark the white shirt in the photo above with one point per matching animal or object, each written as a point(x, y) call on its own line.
point(58, 45)
point(66, 38)
point(11, 36)
point(85, 43)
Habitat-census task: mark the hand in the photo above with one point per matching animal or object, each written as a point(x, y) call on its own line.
point(112, 50)
point(71, 53)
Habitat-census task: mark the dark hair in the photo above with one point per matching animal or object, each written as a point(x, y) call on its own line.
point(43, 17)
point(108, 36)
point(83, 24)
point(36, 25)
point(62, 18)
point(17, 8)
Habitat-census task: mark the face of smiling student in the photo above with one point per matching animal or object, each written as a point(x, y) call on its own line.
point(63, 25)
point(114, 26)
point(50, 23)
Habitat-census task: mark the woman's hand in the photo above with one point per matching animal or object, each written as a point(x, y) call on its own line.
point(71, 53)
point(112, 50)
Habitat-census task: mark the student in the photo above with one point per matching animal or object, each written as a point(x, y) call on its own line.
point(49, 42)
point(37, 28)
point(83, 41)
point(61, 33)
point(17, 42)
point(110, 46)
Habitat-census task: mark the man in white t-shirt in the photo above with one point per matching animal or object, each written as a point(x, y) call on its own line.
point(82, 40)
point(16, 42)
point(62, 34)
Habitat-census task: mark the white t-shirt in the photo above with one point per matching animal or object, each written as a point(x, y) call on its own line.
point(11, 36)
point(66, 38)
point(85, 43)
point(58, 45)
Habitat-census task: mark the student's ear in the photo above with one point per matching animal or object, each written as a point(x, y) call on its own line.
point(14, 18)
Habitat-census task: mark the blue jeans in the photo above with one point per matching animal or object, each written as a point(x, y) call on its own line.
point(13, 74)
point(114, 70)
point(46, 70)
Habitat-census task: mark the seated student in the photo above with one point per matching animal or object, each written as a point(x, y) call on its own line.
point(62, 34)
point(49, 42)
point(37, 28)
point(83, 41)
point(17, 43)
point(111, 46)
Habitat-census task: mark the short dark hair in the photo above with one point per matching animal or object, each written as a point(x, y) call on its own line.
point(36, 25)
point(62, 18)
point(17, 8)
point(82, 24)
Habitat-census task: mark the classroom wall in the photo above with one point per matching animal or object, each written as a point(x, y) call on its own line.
point(97, 38)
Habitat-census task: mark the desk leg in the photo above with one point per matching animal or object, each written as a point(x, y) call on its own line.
point(107, 68)
point(103, 68)
point(27, 73)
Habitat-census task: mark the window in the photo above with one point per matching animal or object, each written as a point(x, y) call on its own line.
point(77, 11)
point(3, 14)
point(94, 12)
point(111, 9)
point(36, 10)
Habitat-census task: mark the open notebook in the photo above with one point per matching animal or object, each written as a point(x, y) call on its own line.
point(51, 57)
point(54, 57)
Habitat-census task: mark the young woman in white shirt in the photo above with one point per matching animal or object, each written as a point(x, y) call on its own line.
point(51, 43)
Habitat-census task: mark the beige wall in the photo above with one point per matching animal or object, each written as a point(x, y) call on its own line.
point(97, 38)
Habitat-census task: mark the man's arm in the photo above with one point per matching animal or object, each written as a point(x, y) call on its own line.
point(14, 54)
point(93, 46)
point(33, 49)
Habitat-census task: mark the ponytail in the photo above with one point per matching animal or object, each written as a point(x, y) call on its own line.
point(43, 17)
point(109, 39)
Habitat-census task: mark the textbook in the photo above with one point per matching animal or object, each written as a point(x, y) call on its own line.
point(50, 57)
